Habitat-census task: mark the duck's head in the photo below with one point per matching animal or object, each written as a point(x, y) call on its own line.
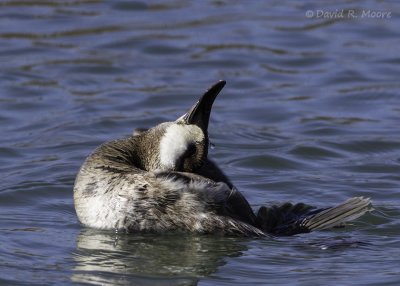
point(181, 145)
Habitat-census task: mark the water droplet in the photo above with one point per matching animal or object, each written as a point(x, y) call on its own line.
point(212, 146)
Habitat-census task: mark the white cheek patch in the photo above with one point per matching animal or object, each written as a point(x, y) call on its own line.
point(175, 142)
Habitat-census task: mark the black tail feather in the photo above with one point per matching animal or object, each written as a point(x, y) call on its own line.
point(290, 219)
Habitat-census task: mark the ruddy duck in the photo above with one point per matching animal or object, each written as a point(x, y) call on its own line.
point(161, 180)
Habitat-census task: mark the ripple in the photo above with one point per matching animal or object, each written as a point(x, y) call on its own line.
point(317, 25)
point(319, 130)
point(163, 49)
point(73, 62)
point(19, 3)
point(339, 243)
point(266, 162)
point(375, 168)
point(130, 6)
point(337, 120)
point(314, 152)
point(367, 146)
point(237, 46)
point(62, 34)
point(370, 87)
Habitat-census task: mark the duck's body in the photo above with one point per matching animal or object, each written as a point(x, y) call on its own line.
point(161, 180)
point(111, 193)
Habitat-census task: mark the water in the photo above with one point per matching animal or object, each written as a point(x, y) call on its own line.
point(310, 113)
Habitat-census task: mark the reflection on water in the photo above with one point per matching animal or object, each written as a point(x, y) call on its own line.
point(114, 259)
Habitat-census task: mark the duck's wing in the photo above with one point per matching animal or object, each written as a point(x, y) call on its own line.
point(211, 171)
point(289, 219)
point(230, 202)
point(217, 195)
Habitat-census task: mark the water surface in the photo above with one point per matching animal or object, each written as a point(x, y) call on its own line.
point(310, 113)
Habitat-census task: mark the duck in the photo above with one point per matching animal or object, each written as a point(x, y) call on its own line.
point(161, 179)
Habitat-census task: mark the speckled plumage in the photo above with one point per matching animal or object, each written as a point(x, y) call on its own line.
point(111, 193)
point(127, 185)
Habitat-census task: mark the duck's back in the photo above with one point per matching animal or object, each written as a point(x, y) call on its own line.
point(111, 192)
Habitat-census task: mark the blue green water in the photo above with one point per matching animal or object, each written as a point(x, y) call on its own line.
point(310, 114)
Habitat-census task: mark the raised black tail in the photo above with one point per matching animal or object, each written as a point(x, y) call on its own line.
point(290, 219)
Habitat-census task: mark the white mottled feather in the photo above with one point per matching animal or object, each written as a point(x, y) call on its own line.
point(175, 141)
